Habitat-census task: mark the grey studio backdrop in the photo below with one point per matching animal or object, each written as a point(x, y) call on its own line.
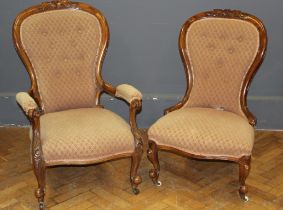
point(143, 51)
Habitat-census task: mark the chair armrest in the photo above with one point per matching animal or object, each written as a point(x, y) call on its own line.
point(26, 102)
point(128, 93)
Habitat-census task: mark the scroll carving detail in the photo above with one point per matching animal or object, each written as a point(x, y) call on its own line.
point(226, 13)
point(56, 4)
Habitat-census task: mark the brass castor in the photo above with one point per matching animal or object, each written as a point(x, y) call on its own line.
point(135, 190)
point(242, 192)
point(158, 183)
point(41, 205)
point(244, 197)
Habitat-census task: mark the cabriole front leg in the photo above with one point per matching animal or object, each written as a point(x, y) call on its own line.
point(39, 171)
point(152, 155)
point(38, 163)
point(136, 159)
point(244, 170)
point(135, 106)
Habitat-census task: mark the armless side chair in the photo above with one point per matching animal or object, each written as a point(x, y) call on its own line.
point(62, 45)
point(221, 51)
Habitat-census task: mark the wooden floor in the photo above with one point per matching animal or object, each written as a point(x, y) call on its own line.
point(187, 183)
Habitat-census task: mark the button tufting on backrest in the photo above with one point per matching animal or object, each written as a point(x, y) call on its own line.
point(219, 62)
point(81, 57)
point(223, 36)
point(231, 50)
point(57, 73)
point(211, 46)
point(204, 35)
point(66, 59)
point(240, 38)
point(225, 56)
point(58, 83)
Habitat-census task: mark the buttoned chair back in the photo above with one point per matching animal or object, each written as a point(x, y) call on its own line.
point(221, 54)
point(63, 50)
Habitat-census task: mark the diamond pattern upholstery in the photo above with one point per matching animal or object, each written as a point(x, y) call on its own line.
point(84, 135)
point(204, 131)
point(220, 52)
point(63, 47)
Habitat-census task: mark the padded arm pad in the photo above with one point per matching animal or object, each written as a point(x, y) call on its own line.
point(128, 93)
point(26, 101)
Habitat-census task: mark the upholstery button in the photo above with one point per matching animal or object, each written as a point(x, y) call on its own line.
point(81, 57)
point(240, 39)
point(219, 62)
point(231, 50)
point(57, 73)
point(204, 35)
point(211, 46)
point(79, 29)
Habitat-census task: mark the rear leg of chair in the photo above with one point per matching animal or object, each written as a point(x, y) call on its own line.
point(152, 155)
point(136, 159)
point(244, 170)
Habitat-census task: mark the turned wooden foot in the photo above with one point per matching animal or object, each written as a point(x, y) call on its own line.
point(152, 155)
point(244, 170)
point(136, 159)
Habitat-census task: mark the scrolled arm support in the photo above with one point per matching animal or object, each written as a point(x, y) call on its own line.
point(134, 98)
point(135, 106)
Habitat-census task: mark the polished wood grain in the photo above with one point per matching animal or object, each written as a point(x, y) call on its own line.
point(187, 183)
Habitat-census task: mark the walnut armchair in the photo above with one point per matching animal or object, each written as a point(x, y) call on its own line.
point(62, 45)
point(221, 51)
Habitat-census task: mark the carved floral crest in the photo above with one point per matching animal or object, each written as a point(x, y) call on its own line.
point(227, 13)
point(56, 4)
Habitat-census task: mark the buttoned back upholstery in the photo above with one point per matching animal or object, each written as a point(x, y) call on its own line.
point(63, 48)
point(220, 52)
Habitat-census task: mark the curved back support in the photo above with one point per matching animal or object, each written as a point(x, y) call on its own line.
point(221, 51)
point(62, 45)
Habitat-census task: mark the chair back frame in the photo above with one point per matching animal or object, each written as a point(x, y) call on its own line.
point(62, 5)
point(230, 14)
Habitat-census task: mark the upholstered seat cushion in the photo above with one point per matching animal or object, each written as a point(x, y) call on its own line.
point(204, 131)
point(86, 135)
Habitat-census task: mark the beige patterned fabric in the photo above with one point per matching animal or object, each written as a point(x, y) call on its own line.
point(83, 135)
point(221, 52)
point(204, 131)
point(26, 101)
point(128, 93)
point(63, 46)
